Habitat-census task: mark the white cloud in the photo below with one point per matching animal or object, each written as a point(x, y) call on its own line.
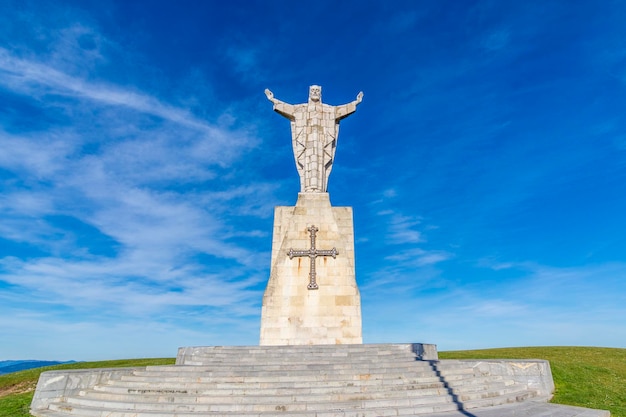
point(416, 257)
point(495, 308)
point(41, 155)
point(401, 228)
point(40, 80)
point(542, 305)
point(148, 182)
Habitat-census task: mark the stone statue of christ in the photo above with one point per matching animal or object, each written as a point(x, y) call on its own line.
point(314, 131)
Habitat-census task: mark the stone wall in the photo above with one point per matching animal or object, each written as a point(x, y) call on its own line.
point(53, 385)
point(292, 313)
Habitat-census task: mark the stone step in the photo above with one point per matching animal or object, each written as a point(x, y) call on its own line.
point(235, 369)
point(306, 355)
point(303, 356)
point(446, 366)
point(281, 380)
point(271, 396)
point(372, 384)
point(528, 408)
point(276, 369)
point(234, 390)
point(399, 407)
point(383, 407)
point(302, 374)
point(238, 389)
point(201, 360)
point(235, 354)
point(503, 393)
point(487, 401)
point(319, 381)
point(299, 351)
point(286, 380)
point(263, 403)
point(303, 350)
point(482, 384)
point(406, 407)
point(284, 360)
point(260, 395)
point(339, 411)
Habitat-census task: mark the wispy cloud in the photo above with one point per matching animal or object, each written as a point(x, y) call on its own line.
point(544, 305)
point(495, 308)
point(401, 228)
point(125, 197)
point(416, 257)
point(40, 80)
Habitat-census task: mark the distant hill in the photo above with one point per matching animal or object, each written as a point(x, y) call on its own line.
point(6, 367)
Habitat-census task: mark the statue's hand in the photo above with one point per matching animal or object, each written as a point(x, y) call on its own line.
point(359, 97)
point(269, 94)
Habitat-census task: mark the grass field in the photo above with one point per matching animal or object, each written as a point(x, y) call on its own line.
point(584, 376)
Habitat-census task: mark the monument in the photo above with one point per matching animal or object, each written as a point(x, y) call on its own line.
point(314, 301)
point(314, 305)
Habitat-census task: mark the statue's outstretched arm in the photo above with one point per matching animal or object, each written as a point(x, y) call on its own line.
point(346, 110)
point(280, 107)
point(270, 96)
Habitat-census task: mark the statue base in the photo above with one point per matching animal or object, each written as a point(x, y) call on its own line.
point(300, 309)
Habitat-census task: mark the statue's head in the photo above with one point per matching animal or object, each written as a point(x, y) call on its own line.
point(315, 93)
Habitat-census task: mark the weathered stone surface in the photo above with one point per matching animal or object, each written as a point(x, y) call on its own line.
point(529, 409)
point(314, 133)
point(53, 385)
point(294, 314)
point(307, 381)
point(535, 373)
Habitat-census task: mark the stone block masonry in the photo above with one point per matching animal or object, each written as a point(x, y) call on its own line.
point(306, 381)
point(312, 296)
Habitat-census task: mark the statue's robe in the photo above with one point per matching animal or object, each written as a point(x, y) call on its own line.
point(314, 131)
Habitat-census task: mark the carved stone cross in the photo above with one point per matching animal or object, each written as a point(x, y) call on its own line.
point(312, 253)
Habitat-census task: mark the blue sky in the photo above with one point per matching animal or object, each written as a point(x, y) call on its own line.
point(140, 163)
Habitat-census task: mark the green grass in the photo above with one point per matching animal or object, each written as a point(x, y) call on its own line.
point(584, 376)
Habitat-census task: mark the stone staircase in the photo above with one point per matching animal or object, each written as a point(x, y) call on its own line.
point(320, 381)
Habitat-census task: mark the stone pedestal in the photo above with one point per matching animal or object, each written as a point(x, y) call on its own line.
point(295, 312)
